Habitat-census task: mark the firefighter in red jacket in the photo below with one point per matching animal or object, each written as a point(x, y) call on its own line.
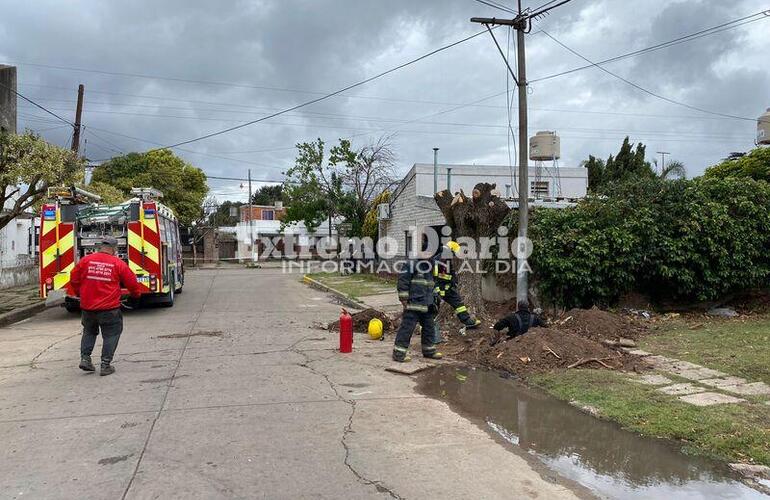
point(97, 280)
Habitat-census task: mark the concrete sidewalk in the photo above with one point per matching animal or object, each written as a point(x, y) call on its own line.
point(232, 394)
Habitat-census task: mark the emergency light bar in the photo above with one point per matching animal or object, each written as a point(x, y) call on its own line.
point(146, 193)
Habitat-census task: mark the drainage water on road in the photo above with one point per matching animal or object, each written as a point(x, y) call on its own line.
point(609, 461)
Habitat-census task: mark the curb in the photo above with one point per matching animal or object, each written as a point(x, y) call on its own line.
point(341, 296)
point(21, 313)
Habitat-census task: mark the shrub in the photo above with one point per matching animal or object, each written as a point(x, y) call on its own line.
point(684, 240)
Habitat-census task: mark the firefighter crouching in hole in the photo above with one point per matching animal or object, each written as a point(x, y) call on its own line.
point(446, 288)
point(417, 295)
point(97, 280)
point(520, 322)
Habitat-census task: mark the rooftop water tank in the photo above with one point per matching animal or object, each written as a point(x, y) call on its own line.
point(545, 146)
point(763, 128)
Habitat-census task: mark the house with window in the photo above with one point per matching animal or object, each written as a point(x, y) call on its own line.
point(262, 212)
point(265, 221)
point(412, 205)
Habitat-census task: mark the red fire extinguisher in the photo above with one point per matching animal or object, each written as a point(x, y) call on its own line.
point(346, 332)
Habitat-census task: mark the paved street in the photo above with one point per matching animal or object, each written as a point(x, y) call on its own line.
point(232, 394)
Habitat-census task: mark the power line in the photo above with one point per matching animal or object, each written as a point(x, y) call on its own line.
point(639, 87)
point(147, 141)
point(544, 5)
point(327, 96)
point(496, 6)
point(36, 104)
point(676, 41)
point(628, 54)
point(242, 179)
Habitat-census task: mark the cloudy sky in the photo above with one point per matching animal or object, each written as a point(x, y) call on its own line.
point(161, 72)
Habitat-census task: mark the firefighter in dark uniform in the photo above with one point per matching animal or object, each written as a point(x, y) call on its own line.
point(416, 293)
point(446, 288)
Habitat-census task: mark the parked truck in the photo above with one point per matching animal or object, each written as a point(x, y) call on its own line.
point(73, 221)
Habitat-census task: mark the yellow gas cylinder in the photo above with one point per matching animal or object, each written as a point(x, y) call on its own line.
point(375, 329)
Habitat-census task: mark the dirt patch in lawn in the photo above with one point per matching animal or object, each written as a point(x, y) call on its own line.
point(538, 351)
point(599, 325)
point(361, 321)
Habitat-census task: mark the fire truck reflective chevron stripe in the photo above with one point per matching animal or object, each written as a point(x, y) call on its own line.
point(65, 244)
point(57, 250)
point(150, 251)
point(60, 280)
point(144, 254)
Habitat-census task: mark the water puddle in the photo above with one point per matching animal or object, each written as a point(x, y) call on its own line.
point(609, 461)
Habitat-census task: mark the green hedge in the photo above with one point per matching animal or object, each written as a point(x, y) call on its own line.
point(685, 240)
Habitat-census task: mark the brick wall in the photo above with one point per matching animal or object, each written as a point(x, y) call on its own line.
point(259, 213)
point(409, 211)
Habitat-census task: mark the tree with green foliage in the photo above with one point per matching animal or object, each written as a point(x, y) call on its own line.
point(628, 164)
point(675, 169)
point(268, 194)
point(313, 187)
point(28, 167)
point(371, 226)
point(755, 165)
point(110, 194)
point(183, 186)
point(221, 216)
point(345, 184)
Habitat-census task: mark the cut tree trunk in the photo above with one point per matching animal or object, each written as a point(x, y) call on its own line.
point(475, 217)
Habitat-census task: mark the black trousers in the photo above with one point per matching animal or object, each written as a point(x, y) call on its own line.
point(110, 323)
point(452, 297)
point(409, 321)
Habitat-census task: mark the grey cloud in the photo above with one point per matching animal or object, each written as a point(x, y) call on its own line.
point(321, 45)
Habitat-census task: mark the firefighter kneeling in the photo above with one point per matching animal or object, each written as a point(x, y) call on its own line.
point(446, 287)
point(417, 295)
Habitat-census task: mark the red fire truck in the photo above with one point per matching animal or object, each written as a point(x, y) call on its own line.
point(73, 221)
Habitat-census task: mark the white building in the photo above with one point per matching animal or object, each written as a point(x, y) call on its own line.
point(17, 250)
point(412, 205)
point(272, 229)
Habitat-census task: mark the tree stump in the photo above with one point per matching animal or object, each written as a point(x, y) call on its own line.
point(473, 217)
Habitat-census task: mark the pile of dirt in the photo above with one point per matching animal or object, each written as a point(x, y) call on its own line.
point(361, 321)
point(599, 325)
point(540, 350)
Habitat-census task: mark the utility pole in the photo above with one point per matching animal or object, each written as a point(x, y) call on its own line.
point(663, 160)
point(522, 23)
point(78, 114)
point(251, 223)
point(435, 170)
point(522, 285)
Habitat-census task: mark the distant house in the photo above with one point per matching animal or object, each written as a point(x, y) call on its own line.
point(262, 212)
point(17, 251)
point(412, 204)
point(265, 221)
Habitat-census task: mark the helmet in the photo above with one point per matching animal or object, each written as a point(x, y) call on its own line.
point(453, 246)
point(375, 328)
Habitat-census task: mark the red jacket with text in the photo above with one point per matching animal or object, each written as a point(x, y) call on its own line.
point(97, 279)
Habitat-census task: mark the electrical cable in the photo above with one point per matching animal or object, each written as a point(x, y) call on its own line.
point(628, 54)
point(676, 41)
point(327, 96)
point(18, 94)
point(646, 91)
point(496, 6)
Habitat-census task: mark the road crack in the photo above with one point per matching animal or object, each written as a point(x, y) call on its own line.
point(348, 429)
point(32, 362)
